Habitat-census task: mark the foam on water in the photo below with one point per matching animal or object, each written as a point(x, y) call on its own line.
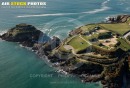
point(103, 8)
point(56, 14)
point(2, 32)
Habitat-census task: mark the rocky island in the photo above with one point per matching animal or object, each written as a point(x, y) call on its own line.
point(93, 52)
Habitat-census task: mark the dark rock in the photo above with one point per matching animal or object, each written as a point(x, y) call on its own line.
point(89, 69)
point(46, 47)
point(25, 34)
point(53, 43)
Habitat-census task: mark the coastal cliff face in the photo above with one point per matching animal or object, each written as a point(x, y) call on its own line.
point(83, 52)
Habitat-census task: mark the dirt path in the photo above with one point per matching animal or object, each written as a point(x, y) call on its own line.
point(85, 40)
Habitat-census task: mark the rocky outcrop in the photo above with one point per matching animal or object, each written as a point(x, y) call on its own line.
point(25, 34)
point(29, 36)
point(47, 47)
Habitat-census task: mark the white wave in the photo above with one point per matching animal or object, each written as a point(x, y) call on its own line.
point(64, 26)
point(2, 32)
point(97, 10)
point(71, 20)
point(21, 45)
point(107, 18)
point(104, 7)
point(56, 14)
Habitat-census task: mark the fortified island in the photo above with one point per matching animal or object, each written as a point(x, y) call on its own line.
point(93, 52)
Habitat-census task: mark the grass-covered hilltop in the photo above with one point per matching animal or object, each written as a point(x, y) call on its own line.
point(93, 52)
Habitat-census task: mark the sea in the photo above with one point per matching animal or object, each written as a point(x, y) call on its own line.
point(22, 68)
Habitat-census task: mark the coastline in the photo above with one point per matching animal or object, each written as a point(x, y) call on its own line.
point(49, 50)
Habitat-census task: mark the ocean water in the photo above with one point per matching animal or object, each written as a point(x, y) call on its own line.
point(21, 68)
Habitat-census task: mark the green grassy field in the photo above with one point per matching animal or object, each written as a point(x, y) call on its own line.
point(119, 28)
point(124, 45)
point(88, 27)
point(78, 44)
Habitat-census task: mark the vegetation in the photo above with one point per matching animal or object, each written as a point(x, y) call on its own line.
point(105, 35)
point(120, 28)
point(78, 43)
point(109, 49)
point(90, 37)
point(123, 44)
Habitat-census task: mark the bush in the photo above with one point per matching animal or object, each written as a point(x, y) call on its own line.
point(105, 35)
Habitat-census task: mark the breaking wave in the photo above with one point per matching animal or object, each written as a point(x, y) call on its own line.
point(104, 7)
point(56, 14)
point(2, 32)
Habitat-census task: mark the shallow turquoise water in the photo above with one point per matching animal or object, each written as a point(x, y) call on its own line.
point(17, 65)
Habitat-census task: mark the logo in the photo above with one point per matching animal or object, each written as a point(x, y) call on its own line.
point(23, 4)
